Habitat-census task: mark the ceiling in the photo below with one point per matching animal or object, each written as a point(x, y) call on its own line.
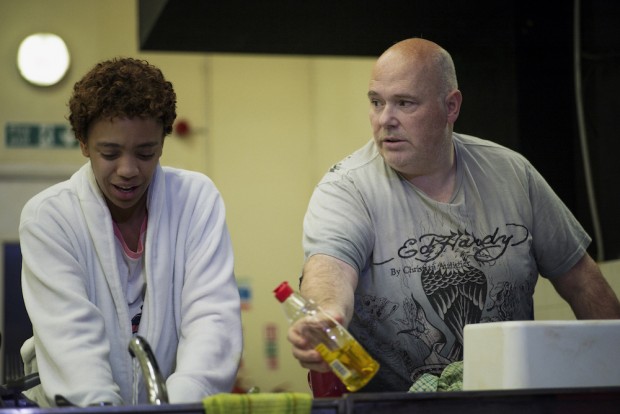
point(318, 27)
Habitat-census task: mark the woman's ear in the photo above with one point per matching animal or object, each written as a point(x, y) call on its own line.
point(84, 148)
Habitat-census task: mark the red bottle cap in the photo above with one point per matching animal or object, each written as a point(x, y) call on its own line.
point(283, 291)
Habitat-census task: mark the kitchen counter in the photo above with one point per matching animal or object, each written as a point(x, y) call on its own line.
point(319, 406)
point(533, 401)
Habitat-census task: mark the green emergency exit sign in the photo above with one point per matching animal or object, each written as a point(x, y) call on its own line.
point(44, 136)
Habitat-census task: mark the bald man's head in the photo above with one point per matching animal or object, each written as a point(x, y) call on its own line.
point(421, 55)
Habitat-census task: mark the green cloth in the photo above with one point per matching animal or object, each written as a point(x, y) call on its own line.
point(261, 403)
point(451, 379)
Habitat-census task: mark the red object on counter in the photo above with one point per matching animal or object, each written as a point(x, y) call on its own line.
point(325, 384)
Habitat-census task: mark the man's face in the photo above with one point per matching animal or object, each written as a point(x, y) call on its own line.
point(408, 114)
point(124, 153)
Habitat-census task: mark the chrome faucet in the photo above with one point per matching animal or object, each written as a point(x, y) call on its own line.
point(140, 349)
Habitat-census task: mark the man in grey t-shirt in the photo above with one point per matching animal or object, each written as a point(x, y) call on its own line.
point(423, 230)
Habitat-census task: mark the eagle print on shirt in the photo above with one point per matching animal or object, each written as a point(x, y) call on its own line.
point(449, 271)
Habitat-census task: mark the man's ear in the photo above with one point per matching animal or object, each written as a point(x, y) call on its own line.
point(453, 105)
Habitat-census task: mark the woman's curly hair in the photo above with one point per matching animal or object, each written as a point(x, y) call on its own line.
point(121, 88)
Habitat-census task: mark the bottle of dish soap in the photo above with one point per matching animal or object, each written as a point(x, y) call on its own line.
point(345, 356)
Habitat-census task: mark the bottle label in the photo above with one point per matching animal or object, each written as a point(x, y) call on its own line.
point(340, 370)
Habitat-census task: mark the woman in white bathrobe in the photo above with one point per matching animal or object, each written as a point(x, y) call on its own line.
point(126, 247)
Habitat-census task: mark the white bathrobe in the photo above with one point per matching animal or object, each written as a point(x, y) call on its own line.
point(75, 300)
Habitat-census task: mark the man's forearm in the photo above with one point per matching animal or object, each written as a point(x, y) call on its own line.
point(331, 283)
point(587, 292)
point(600, 302)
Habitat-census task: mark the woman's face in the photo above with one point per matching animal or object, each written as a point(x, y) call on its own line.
point(124, 153)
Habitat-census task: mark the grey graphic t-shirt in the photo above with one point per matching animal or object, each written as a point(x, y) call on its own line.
point(428, 268)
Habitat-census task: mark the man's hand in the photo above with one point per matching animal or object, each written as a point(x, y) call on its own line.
point(331, 284)
point(303, 350)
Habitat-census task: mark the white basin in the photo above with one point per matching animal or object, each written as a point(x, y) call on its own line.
point(541, 354)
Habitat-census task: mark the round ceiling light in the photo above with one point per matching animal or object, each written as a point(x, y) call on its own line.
point(43, 59)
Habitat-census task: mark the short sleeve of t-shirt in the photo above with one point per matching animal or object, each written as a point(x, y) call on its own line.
point(337, 224)
point(559, 239)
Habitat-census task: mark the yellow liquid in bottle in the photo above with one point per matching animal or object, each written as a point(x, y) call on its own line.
point(351, 364)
